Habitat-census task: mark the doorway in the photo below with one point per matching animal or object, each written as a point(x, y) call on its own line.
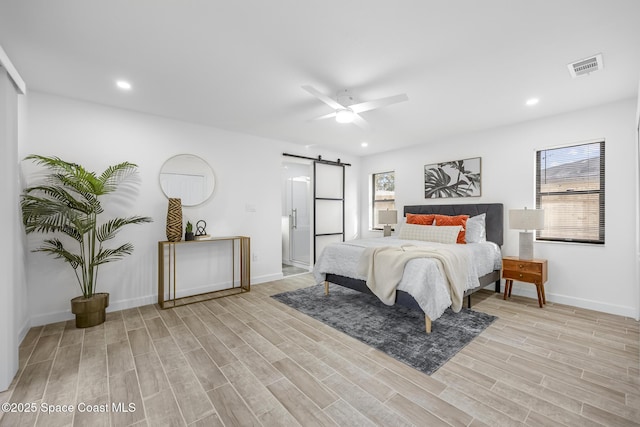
point(296, 218)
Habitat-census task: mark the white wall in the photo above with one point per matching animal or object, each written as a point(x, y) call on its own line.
point(637, 191)
point(13, 315)
point(597, 277)
point(247, 170)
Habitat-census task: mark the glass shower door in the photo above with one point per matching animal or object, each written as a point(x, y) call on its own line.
point(299, 222)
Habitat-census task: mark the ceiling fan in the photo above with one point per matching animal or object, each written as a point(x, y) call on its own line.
point(346, 108)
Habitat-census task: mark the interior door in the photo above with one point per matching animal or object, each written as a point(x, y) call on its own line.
point(328, 198)
point(299, 221)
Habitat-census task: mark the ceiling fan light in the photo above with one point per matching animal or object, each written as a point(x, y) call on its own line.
point(345, 116)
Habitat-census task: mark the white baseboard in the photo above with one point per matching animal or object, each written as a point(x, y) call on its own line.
point(267, 278)
point(53, 317)
point(298, 264)
point(619, 310)
point(62, 316)
point(211, 287)
point(24, 329)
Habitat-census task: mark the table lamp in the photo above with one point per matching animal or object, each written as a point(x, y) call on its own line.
point(528, 220)
point(387, 217)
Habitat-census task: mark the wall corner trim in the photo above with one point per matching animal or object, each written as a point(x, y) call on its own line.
point(6, 63)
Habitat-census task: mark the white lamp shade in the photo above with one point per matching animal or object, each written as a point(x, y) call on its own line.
point(389, 216)
point(526, 219)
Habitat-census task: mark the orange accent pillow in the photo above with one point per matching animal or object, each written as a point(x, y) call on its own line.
point(420, 219)
point(454, 220)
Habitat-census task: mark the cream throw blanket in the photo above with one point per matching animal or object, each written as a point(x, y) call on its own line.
point(384, 267)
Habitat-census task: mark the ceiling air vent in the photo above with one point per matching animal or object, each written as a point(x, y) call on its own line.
point(586, 66)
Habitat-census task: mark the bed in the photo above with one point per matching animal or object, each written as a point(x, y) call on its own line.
point(430, 300)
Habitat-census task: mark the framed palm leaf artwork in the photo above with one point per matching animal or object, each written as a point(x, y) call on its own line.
point(459, 178)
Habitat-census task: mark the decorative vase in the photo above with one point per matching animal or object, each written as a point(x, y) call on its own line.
point(174, 220)
point(90, 311)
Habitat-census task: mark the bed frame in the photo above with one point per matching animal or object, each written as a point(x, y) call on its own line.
point(495, 231)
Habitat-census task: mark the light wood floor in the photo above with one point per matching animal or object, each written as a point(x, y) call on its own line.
point(248, 360)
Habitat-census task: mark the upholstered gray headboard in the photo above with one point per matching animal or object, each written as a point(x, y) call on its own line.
point(494, 219)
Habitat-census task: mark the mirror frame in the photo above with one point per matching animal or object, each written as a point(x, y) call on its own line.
point(188, 172)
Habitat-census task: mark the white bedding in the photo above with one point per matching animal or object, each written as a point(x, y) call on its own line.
point(422, 278)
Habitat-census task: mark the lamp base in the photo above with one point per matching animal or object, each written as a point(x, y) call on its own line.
point(526, 245)
point(387, 231)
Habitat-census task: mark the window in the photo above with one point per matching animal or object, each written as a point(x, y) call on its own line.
point(570, 188)
point(384, 195)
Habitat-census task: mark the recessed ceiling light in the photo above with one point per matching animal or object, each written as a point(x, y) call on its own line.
point(364, 144)
point(532, 101)
point(124, 85)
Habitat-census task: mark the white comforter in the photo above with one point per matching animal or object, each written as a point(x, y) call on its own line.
point(422, 278)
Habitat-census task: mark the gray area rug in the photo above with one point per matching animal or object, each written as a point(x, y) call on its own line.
point(396, 330)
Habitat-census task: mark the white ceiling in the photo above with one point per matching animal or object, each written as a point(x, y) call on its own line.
point(239, 65)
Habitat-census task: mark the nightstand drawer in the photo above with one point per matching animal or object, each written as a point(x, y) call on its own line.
point(522, 266)
point(523, 276)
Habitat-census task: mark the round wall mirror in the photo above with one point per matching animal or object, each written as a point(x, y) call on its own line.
point(187, 177)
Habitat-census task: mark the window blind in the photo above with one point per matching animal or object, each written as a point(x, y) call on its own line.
point(570, 188)
point(383, 192)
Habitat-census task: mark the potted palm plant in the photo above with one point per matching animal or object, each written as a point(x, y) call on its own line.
point(68, 205)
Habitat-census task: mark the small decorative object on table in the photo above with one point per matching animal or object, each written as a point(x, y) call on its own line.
point(174, 220)
point(188, 234)
point(201, 230)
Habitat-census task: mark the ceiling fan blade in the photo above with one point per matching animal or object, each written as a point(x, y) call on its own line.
point(378, 103)
point(360, 122)
point(326, 116)
point(322, 97)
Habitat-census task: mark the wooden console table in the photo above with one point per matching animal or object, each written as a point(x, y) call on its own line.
point(244, 267)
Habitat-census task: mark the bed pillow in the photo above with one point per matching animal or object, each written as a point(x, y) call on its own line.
point(454, 220)
point(476, 229)
point(430, 233)
point(420, 219)
point(396, 229)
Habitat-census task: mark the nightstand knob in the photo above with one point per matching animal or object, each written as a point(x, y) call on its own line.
point(520, 265)
point(520, 275)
